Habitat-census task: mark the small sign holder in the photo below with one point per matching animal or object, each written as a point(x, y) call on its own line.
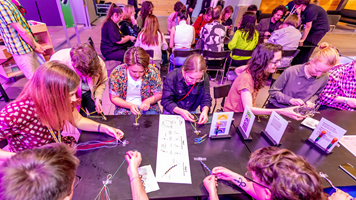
point(244, 129)
point(220, 125)
point(275, 128)
point(326, 135)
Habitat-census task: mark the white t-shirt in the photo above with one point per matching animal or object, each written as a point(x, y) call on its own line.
point(133, 90)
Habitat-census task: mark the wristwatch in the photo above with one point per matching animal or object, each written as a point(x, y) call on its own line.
point(345, 101)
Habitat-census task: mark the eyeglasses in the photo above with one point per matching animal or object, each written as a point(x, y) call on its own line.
point(192, 79)
point(77, 181)
point(275, 62)
point(249, 177)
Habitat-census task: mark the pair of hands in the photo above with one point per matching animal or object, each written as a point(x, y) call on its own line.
point(146, 104)
point(38, 48)
point(351, 102)
point(299, 102)
point(114, 132)
point(133, 158)
point(189, 117)
point(340, 195)
point(210, 182)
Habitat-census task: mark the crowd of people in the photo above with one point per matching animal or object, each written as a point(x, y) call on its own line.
point(63, 92)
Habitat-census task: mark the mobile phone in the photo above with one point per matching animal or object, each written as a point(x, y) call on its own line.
point(349, 169)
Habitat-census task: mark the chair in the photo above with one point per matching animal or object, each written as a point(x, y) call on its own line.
point(240, 52)
point(182, 53)
point(220, 92)
point(90, 41)
point(3, 94)
point(285, 53)
point(151, 53)
point(218, 63)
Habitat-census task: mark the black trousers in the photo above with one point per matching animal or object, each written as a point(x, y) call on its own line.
point(87, 104)
point(305, 52)
point(116, 55)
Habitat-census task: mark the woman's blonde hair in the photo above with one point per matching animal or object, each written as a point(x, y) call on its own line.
point(150, 32)
point(292, 20)
point(137, 56)
point(327, 54)
point(194, 63)
point(127, 12)
point(50, 89)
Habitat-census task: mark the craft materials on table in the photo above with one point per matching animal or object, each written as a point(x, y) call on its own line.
point(200, 139)
point(194, 124)
point(105, 189)
point(310, 122)
point(136, 119)
point(220, 125)
point(326, 135)
point(325, 176)
point(90, 115)
point(100, 144)
point(172, 151)
point(148, 178)
point(349, 142)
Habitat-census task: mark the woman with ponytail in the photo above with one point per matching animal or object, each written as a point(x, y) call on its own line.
point(113, 42)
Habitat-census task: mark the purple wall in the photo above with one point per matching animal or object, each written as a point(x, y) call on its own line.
point(46, 8)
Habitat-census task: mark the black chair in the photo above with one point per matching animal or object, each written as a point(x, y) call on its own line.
point(90, 41)
point(150, 52)
point(218, 61)
point(239, 52)
point(3, 94)
point(182, 53)
point(220, 92)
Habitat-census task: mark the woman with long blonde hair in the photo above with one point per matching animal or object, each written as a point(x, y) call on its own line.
point(128, 24)
point(152, 38)
point(45, 107)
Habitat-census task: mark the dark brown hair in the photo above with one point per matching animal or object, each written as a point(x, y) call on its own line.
point(178, 6)
point(113, 9)
point(183, 15)
point(47, 172)
point(287, 175)
point(259, 62)
point(300, 2)
point(252, 7)
point(228, 9)
point(216, 12)
point(248, 25)
point(280, 7)
point(85, 60)
point(146, 9)
point(137, 56)
point(195, 63)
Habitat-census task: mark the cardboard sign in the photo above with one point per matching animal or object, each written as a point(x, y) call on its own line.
point(220, 125)
point(275, 128)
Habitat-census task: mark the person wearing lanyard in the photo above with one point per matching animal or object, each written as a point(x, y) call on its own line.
point(46, 107)
point(135, 85)
point(186, 88)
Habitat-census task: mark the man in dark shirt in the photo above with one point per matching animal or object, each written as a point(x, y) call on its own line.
point(190, 7)
point(317, 25)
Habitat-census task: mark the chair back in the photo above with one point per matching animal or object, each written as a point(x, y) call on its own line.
point(220, 92)
point(184, 54)
point(150, 52)
point(290, 53)
point(90, 41)
point(240, 52)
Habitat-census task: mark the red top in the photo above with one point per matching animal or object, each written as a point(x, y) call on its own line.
point(22, 129)
point(198, 24)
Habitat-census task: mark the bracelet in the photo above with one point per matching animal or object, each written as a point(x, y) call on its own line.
point(345, 101)
point(99, 128)
point(134, 178)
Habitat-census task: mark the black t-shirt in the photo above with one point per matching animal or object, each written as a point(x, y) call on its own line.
point(290, 6)
point(228, 22)
point(110, 34)
point(318, 16)
point(272, 26)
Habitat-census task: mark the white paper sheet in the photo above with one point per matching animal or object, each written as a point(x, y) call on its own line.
point(172, 151)
point(349, 142)
point(276, 126)
point(148, 178)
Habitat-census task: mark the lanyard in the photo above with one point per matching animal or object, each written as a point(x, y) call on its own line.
point(57, 139)
point(187, 93)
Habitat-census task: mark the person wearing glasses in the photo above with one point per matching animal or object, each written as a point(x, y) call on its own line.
point(252, 77)
point(272, 173)
point(301, 84)
point(186, 88)
point(135, 87)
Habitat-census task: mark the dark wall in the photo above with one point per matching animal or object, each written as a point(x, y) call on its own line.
point(45, 11)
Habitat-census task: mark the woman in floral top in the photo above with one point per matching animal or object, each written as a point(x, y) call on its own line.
point(135, 85)
point(46, 104)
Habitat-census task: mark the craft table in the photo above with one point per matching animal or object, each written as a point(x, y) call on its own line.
point(95, 165)
point(295, 137)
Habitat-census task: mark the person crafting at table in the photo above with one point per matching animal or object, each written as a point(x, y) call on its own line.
point(301, 84)
point(252, 77)
point(93, 75)
point(46, 107)
point(135, 85)
point(40, 166)
point(272, 174)
point(186, 88)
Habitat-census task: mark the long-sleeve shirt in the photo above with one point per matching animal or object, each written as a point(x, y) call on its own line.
point(293, 83)
point(239, 41)
point(341, 83)
point(175, 88)
point(199, 24)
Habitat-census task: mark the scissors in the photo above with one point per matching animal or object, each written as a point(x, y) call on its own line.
point(200, 140)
